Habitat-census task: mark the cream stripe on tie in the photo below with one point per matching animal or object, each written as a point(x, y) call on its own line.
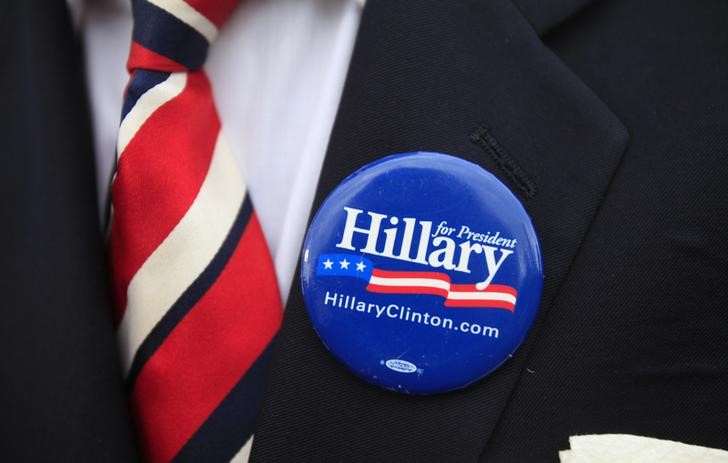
point(184, 254)
point(190, 16)
point(147, 104)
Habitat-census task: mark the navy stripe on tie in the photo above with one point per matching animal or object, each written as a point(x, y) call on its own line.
point(233, 422)
point(141, 81)
point(161, 32)
point(189, 298)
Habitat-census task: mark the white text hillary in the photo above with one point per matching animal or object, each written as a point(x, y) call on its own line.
point(445, 252)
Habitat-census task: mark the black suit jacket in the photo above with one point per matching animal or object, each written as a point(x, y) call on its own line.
point(607, 119)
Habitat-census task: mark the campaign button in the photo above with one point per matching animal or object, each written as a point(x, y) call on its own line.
point(421, 272)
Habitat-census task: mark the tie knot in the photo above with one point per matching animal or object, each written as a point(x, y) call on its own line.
point(174, 35)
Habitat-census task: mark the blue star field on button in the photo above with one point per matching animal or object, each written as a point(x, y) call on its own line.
point(341, 265)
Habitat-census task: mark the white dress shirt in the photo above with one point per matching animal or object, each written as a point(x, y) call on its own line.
point(277, 71)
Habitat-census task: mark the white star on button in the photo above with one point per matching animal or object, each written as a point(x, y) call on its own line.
point(344, 264)
point(360, 267)
point(327, 264)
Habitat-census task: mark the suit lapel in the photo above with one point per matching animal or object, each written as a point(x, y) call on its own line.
point(474, 80)
point(62, 395)
point(545, 15)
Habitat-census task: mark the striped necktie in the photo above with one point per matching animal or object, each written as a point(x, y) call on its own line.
point(193, 279)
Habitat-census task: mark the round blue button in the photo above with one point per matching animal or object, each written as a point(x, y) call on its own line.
point(421, 272)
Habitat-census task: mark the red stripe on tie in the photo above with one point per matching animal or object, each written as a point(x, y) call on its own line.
point(142, 57)
point(208, 351)
point(158, 177)
point(217, 11)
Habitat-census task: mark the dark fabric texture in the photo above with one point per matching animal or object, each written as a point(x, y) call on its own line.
point(61, 393)
point(544, 15)
point(428, 79)
point(636, 341)
point(629, 338)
